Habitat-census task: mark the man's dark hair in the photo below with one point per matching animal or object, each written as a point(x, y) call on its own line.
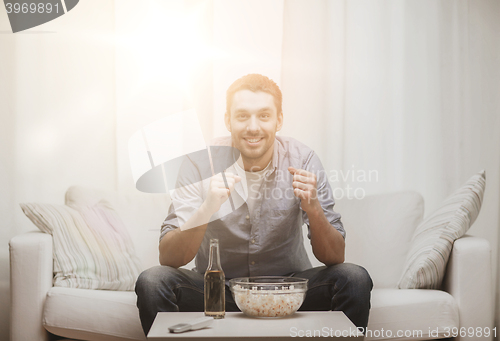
point(254, 82)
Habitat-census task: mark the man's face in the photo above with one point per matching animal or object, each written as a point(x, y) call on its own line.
point(253, 123)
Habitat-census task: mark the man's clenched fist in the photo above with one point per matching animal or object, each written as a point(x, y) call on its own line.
point(218, 192)
point(304, 188)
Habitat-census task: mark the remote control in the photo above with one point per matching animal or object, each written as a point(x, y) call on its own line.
point(192, 325)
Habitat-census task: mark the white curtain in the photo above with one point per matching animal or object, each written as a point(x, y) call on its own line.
point(57, 117)
point(402, 95)
point(409, 89)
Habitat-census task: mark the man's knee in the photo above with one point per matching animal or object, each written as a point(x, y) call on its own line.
point(359, 275)
point(155, 278)
point(352, 275)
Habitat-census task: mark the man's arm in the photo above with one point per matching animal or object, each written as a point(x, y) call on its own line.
point(179, 246)
point(327, 242)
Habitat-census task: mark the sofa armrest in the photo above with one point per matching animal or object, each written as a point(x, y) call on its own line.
point(468, 279)
point(31, 268)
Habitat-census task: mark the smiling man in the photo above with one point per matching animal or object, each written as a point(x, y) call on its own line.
point(284, 186)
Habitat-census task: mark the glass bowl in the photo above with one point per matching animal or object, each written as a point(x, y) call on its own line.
point(268, 296)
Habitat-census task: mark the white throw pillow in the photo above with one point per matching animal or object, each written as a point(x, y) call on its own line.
point(142, 213)
point(91, 246)
point(433, 239)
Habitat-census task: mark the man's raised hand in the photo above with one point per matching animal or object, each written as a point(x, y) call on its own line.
point(304, 187)
point(218, 192)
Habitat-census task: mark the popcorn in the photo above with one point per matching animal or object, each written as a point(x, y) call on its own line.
point(268, 303)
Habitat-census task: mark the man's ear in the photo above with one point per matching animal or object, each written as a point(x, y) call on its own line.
point(280, 121)
point(227, 121)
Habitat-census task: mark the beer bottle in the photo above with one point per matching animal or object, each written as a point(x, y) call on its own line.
point(215, 302)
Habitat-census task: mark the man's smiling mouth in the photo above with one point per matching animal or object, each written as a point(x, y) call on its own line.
point(253, 140)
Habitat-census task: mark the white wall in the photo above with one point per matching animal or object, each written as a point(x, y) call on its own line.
point(57, 117)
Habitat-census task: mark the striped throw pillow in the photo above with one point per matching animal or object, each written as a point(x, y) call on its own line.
point(91, 245)
point(433, 239)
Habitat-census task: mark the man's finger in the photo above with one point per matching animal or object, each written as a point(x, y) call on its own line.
point(300, 185)
point(303, 172)
point(230, 175)
point(220, 192)
point(301, 178)
point(230, 180)
point(234, 180)
point(218, 183)
point(299, 193)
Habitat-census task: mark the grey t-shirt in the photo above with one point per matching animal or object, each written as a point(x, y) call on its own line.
point(267, 241)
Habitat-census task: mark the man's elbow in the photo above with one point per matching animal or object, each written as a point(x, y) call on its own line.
point(168, 262)
point(337, 259)
point(331, 256)
point(172, 261)
point(339, 255)
point(165, 261)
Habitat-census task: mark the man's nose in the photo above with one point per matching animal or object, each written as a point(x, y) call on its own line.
point(253, 125)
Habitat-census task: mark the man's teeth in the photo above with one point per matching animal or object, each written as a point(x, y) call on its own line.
point(253, 140)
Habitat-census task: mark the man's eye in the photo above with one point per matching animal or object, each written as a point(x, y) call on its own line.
point(265, 116)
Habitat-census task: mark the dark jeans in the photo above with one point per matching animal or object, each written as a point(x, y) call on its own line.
point(344, 287)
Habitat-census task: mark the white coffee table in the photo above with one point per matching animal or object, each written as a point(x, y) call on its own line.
point(324, 324)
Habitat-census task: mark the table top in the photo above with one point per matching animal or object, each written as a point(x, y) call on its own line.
point(324, 324)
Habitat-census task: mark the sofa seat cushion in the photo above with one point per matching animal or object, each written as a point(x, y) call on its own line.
point(92, 314)
point(113, 315)
point(434, 312)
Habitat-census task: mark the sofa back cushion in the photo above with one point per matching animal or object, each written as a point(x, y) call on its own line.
point(379, 229)
point(142, 214)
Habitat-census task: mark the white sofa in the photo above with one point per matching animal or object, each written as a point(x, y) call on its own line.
point(379, 230)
